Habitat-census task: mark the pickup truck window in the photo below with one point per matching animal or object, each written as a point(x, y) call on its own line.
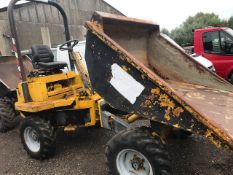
point(226, 43)
point(211, 42)
point(218, 42)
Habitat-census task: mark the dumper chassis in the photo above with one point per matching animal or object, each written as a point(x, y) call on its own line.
point(49, 99)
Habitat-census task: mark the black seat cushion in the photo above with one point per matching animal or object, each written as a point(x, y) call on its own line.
point(43, 58)
point(52, 65)
point(42, 53)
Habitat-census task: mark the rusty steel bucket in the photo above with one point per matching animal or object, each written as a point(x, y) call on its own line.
point(137, 70)
point(9, 73)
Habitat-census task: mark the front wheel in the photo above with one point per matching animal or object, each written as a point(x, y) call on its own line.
point(137, 152)
point(38, 137)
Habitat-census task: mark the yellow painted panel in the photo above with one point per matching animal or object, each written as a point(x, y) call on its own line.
point(41, 106)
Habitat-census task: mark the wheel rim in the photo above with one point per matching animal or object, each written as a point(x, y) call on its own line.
point(31, 139)
point(132, 162)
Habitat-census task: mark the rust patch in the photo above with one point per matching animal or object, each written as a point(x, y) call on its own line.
point(167, 115)
point(177, 111)
point(152, 99)
point(166, 102)
point(155, 91)
point(97, 25)
point(209, 135)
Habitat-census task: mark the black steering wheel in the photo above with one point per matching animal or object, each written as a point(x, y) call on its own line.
point(69, 45)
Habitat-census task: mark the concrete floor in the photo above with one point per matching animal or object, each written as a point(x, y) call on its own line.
point(82, 153)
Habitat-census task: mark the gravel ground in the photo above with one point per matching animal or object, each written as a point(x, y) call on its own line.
point(82, 153)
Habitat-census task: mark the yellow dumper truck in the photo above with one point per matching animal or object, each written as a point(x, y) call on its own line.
point(132, 73)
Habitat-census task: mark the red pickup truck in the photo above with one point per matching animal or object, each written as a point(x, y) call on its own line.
point(216, 44)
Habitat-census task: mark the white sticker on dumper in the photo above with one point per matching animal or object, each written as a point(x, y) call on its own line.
point(125, 84)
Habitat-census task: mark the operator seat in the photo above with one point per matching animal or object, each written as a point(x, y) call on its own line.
point(43, 59)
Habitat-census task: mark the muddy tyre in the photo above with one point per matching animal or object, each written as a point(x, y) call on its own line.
point(38, 137)
point(9, 118)
point(136, 151)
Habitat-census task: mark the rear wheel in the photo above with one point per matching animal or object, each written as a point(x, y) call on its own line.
point(231, 78)
point(137, 152)
point(9, 118)
point(38, 137)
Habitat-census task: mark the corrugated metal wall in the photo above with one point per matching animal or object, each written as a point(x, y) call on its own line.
point(36, 22)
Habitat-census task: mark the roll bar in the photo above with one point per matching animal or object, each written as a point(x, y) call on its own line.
point(15, 38)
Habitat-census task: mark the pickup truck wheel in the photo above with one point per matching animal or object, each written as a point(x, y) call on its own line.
point(137, 152)
point(9, 118)
point(231, 78)
point(38, 137)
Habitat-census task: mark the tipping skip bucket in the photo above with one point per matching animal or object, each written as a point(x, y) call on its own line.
point(137, 70)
